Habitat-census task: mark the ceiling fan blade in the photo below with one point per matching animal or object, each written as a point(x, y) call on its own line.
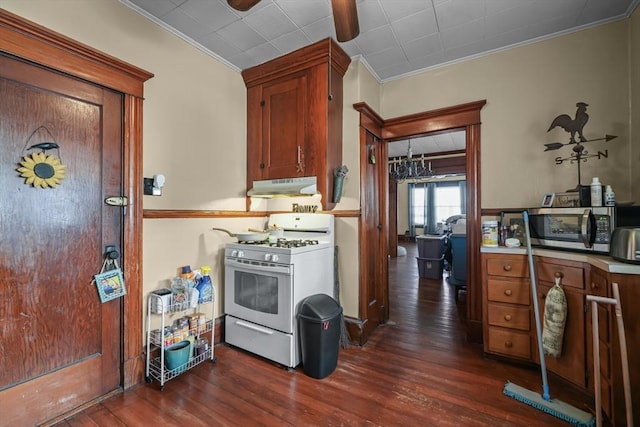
point(345, 18)
point(242, 5)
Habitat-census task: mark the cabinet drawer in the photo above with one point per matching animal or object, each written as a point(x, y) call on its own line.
point(509, 342)
point(571, 276)
point(509, 316)
point(508, 266)
point(509, 291)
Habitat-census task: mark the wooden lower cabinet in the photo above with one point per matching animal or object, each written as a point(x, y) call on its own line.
point(509, 323)
point(613, 399)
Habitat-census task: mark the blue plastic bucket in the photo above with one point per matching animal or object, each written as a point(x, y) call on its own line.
point(177, 355)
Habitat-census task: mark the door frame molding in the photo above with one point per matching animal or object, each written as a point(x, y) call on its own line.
point(463, 116)
point(29, 41)
point(359, 329)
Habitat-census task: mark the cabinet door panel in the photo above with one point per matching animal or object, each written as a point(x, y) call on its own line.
point(284, 128)
point(571, 363)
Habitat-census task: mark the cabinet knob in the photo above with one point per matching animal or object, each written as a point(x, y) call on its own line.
point(507, 292)
point(594, 285)
point(506, 267)
point(508, 344)
point(507, 317)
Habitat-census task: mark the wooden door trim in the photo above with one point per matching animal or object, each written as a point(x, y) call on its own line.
point(28, 40)
point(463, 116)
point(32, 42)
point(443, 119)
point(359, 330)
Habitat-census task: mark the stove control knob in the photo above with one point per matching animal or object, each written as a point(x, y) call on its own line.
point(274, 258)
point(267, 257)
point(240, 254)
point(234, 252)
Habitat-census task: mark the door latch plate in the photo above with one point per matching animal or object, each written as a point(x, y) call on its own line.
point(117, 201)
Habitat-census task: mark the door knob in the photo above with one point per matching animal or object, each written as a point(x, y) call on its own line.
point(110, 252)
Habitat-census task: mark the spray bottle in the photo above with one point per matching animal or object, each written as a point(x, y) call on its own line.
point(205, 287)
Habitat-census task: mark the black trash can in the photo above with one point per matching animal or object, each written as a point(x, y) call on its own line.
point(320, 318)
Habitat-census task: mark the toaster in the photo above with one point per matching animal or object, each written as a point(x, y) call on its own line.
point(625, 244)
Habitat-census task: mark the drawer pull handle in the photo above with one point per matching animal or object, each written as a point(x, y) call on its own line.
point(507, 292)
point(507, 317)
point(507, 268)
point(508, 344)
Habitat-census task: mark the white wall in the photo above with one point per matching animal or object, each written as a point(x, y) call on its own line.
point(525, 89)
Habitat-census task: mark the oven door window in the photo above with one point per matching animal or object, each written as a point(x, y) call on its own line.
point(261, 293)
point(256, 292)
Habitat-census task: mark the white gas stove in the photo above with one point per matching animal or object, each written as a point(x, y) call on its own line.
point(265, 282)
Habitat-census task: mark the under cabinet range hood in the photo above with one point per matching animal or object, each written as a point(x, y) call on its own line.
point(284, 187)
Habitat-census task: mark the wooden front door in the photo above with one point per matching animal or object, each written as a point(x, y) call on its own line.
point(60, 345)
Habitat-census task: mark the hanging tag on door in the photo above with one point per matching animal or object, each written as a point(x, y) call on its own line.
point(372, 156)
point(110, 281)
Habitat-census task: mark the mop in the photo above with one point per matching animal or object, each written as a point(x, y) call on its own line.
point(544, 402)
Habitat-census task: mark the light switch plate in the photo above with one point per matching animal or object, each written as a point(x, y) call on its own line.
point(148, 187)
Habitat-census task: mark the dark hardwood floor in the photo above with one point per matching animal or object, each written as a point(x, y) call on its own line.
point(417, 370)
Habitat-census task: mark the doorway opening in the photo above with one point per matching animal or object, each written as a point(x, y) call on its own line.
point(375, 197)
point(462, 117)
point(426, 205)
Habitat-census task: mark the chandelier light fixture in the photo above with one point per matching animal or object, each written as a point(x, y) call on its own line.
point(408, 167)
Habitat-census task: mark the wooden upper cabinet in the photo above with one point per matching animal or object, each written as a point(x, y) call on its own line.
point(294, 116)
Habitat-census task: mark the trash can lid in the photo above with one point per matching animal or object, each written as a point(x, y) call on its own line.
point(319, 307)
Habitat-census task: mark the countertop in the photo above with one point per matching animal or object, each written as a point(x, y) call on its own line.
point(603, 262)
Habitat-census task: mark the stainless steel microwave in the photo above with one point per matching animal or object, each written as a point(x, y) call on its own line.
point(580, 229)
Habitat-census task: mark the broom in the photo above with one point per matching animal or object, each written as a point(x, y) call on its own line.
point(344, 333)
point(543, 402)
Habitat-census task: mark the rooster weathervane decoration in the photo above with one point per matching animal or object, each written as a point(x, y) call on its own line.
point(574, 127)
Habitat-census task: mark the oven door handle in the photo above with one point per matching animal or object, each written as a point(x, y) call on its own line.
point(253, 327)
point(258, 268)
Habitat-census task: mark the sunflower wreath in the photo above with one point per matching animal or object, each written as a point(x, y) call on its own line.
point(39, 169)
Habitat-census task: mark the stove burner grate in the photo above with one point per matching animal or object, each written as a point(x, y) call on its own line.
point(296, 243)
point(253, 242)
